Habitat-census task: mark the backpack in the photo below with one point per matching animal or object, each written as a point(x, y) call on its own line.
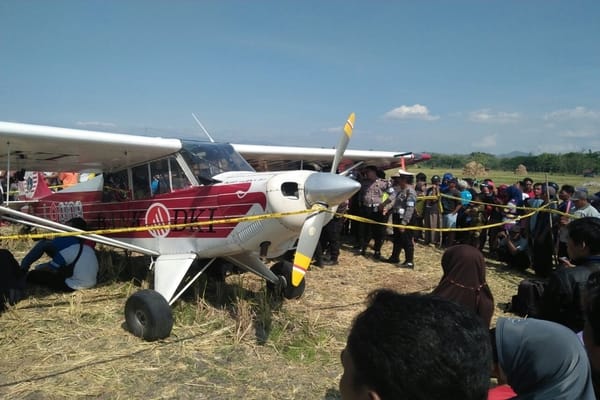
point(528, 300)
point(12, 280)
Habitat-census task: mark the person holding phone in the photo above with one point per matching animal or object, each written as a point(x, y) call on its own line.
point(512, 248)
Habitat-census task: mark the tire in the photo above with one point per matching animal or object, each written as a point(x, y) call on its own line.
point(148, 315)
point(284, 269)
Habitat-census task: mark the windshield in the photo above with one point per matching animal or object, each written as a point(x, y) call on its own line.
point(209, 159)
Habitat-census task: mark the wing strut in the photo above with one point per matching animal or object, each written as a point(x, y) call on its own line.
point(32, 220)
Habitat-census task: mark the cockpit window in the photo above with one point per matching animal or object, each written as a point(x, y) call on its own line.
point(209, 159)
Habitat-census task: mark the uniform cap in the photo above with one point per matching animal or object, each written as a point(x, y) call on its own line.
point(402, 172)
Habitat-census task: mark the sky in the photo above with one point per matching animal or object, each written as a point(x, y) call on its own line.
point(435, 76)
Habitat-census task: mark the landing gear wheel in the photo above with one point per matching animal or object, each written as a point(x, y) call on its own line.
point(283, 269)
point(148, 315)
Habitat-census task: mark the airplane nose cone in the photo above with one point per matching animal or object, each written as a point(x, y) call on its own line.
point(329, 189)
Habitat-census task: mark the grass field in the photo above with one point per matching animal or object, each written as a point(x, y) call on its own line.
point(509, 177)
point(228, 341)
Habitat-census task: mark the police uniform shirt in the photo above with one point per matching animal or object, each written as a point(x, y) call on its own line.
point(404, 204)
point(372, 192)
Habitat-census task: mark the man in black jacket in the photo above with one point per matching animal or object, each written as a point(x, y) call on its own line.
point(403, 200)
point(563, 296)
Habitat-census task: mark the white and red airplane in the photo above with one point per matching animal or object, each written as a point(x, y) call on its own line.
point(167, 198)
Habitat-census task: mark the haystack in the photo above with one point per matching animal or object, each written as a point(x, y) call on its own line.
point(473, 169)
point(521, 170)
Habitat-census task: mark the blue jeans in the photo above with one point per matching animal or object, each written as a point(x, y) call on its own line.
point(42, 247)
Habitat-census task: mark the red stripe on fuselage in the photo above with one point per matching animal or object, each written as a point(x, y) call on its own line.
point(196, 204)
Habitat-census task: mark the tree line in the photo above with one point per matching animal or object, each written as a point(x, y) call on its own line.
point(577, 163)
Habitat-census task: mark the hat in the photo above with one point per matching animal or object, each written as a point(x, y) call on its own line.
point(462, 184)
point(435, 179)
point(579, 195)
point(402, 172)
point(447, 176)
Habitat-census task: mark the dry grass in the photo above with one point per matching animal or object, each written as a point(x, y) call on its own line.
point(229, 341)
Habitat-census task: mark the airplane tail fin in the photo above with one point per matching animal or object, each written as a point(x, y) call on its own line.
point(33, 186)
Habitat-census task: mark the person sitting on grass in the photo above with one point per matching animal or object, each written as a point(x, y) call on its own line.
point(563, 294)
point(591, 330)
point(513, 248)
point(415, 347)
point(73, 266)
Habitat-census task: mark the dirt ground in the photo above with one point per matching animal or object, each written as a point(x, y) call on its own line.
point(228, 341)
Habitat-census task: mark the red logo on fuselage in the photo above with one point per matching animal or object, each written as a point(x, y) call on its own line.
point(158, 214)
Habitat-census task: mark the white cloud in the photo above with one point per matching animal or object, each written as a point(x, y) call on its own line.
point(486, 142)
point(557, 147)
point(336, 129)
point(95, 123)
point(577, 134)
point(488, 116)
point(416, 111)
point(578, 112)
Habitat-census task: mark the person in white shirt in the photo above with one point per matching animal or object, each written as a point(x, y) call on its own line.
point(583, 208)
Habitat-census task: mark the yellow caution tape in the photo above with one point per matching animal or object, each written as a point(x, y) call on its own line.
point(257, 217)
point(422, 228)
point(260, 217)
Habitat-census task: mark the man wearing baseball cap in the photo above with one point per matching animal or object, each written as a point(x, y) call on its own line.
point(583, 208)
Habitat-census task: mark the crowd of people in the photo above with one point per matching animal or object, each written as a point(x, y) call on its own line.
point(443, 345)
point(440, 345)
point(522, 224)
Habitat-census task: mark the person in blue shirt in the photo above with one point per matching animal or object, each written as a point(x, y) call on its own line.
point(73, 263)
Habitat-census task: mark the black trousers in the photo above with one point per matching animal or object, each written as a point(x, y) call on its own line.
point(368, 231)
point(402, 240)
point(52, 280)
point(331, 237)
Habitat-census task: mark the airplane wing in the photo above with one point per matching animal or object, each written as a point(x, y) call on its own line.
point(275, 158)
point(47, 148)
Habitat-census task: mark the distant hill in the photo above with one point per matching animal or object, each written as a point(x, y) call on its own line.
point(513, 154)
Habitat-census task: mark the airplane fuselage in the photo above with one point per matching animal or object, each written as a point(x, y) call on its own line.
point(186, 217)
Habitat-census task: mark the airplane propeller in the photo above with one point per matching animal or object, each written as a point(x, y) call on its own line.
point(322, 191)
point(343, 143)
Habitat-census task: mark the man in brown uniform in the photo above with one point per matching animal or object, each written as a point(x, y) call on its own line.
point(371, 207)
